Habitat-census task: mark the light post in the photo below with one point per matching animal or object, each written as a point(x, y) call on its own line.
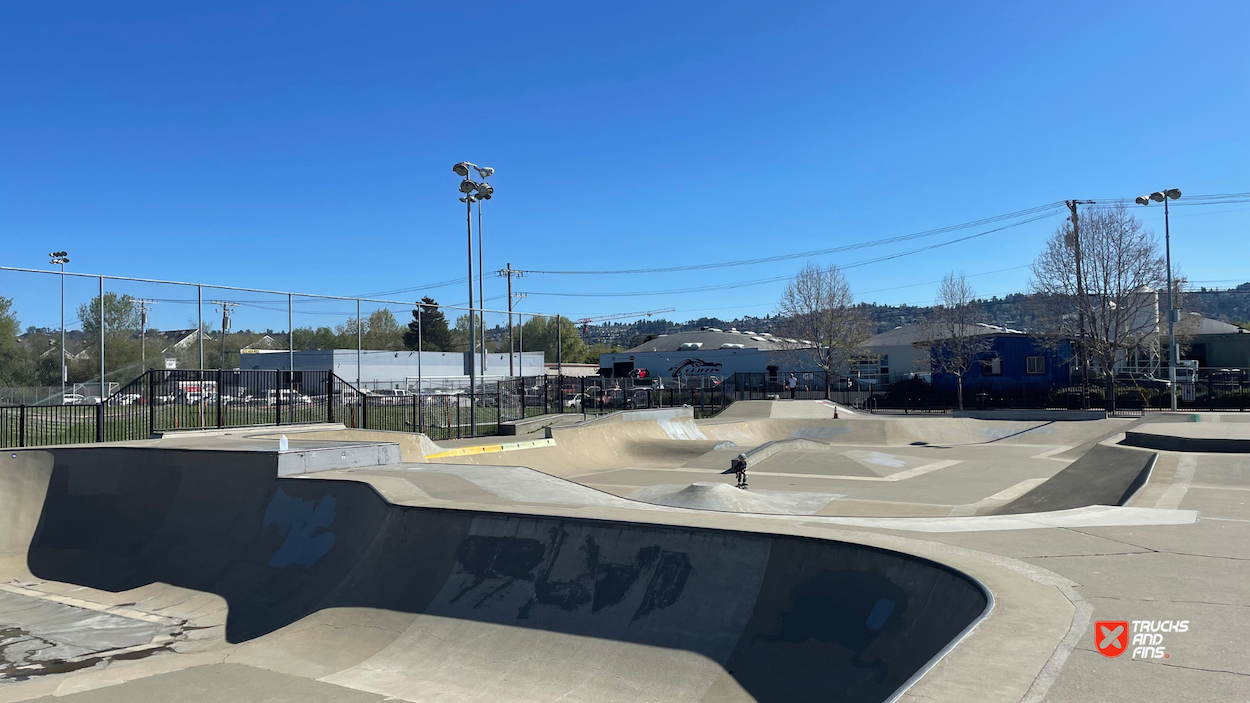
point(1163, 196)
point(62, 258)
point(484, 192)
point(470, 190)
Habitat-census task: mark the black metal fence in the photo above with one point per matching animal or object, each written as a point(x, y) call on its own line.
point(164, 400)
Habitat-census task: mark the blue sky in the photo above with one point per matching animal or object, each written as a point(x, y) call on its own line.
point(307, 145)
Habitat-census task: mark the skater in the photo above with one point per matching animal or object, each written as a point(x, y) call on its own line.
point(740, 470)
point(793, 384)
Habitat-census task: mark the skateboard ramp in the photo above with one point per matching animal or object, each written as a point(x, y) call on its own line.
point(502, 606)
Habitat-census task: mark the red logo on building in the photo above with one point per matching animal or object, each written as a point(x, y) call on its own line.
point(1111, 637)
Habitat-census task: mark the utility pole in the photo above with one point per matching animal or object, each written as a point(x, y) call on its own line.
point(143, 330)
point(508, 273)
point(225, 327)
point(1082, 352)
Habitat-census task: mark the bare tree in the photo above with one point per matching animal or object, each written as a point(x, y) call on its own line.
point(1122, 273)
point(819, 310)
point(952, 335)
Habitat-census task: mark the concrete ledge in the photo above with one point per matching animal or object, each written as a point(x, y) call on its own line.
point(1176, 443)
point(778, 446)
point(1032, 415)
point(534, 424)
point(492, 448)
point(308, 461)
point(250, 429)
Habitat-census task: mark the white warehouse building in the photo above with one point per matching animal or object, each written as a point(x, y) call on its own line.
point(410, 370)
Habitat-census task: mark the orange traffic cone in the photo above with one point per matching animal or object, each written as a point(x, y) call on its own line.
point(835, 412)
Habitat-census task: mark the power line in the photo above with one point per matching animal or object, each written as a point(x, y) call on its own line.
point(1041, 211)
point(775, 279)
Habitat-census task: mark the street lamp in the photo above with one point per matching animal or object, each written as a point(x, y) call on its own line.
point(62, 258)
point(1163, 196)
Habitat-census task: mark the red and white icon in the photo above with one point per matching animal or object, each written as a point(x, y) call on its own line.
point(1111, 637)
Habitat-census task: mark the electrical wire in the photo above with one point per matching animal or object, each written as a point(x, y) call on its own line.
point(1044, 211)
point(775, 279)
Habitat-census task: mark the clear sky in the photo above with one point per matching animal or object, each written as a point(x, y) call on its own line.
point(308, 145)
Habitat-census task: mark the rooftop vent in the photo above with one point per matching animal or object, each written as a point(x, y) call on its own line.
point(733, 346)
point(691, 346)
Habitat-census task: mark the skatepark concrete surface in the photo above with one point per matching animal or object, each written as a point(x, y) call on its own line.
point(871, 559)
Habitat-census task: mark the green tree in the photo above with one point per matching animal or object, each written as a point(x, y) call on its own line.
point(17, 367)
point(542, 333)
point(435, 336)
point(383, 332)
point(121, 329)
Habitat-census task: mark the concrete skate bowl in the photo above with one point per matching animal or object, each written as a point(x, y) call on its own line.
point(503, 606)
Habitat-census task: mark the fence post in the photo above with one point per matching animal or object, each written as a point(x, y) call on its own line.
point(221, 421)
point(277, 399)
point(99, 416)
point(330, 378)
point(21, 424)
point(151, 374)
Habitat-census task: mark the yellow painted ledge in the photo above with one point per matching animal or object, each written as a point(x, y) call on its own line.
point(492, 448)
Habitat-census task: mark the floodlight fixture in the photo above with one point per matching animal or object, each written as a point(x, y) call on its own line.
point(1143, 200)
point(1173, 193)
point(1158, 197)
point(484, 171)
point(462, 168)
point(484, 191)
point(467, 186)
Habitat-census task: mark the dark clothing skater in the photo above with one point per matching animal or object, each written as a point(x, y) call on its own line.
point(740, 470)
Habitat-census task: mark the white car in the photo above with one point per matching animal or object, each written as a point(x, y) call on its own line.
point(125, 399)
point(73, 399)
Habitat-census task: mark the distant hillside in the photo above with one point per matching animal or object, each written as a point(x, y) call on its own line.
point(1014, 311)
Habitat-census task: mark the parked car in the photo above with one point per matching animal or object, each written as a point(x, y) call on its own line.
point(391, 396)
point(126, 399)
point(286, 397)
point(574, 402)
point(73, 399)
point(1141, 379)
point(238, 398)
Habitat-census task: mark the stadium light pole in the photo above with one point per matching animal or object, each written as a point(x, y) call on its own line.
point(468, 188)
point(62, 258)
point(484, 192)
point(1163, 196)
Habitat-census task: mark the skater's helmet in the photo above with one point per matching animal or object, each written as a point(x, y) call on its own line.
point(742, 456)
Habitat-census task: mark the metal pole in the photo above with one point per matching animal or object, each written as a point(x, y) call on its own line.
point(1080, 294)
point(359, 343)
point(290, 338)
point(199, 317)
point(559, 348)
point(468, 202)
point(64, 367)
point(520, 319)
point(101, 339)
point(481, 292)
point(420, 345)
point(1173, 349)
point(511, 351)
